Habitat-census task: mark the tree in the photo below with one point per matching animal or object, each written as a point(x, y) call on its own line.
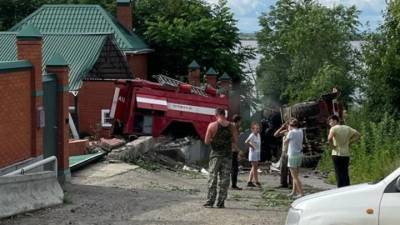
point(184, 30)
point(382, 65)
point(306, 50)
point(12, 11)
point(178, 30)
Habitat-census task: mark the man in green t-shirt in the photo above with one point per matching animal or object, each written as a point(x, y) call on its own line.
point(340, 137)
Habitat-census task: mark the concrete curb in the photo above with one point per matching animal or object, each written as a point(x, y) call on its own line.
point(23, 193)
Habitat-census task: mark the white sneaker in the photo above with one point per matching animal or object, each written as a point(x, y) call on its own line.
point(297, 196)
point(290, 194)
point(259, 170)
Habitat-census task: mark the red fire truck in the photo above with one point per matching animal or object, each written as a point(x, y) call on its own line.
point(166, 106)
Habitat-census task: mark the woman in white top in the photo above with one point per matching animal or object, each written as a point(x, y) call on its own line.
point(295, 144)
point(254, 142)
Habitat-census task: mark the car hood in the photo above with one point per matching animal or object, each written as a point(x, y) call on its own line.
point(349, 193)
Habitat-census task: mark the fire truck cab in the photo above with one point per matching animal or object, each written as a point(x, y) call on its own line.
point(150, 108)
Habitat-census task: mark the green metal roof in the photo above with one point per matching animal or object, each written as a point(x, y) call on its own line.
point(80, 51)
point(211, 72)
point(8, 46)
point(83, 19)
point(194, 65)
point(29, 31)
point(14, 65)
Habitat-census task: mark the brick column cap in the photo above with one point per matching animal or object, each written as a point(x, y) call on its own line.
point(29, 32)
point(57, 61)
point(194, 65)
point(225, 77)
point(211, 72)
point(123, 1)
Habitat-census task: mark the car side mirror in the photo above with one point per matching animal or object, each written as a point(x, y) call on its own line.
point(398, 184)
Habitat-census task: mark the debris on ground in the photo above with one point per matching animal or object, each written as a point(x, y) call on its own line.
point(93, 147)
point(173, 148)
point(110, 144)
point(175, 144)
point(204, 171)
point(187, 168)
point(150, 153)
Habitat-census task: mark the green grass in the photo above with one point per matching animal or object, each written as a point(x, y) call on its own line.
point(67, 198)
point(273, 198)
point(278, 198)
point(150, 166)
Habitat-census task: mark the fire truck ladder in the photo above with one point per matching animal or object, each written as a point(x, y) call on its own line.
point(164, 80)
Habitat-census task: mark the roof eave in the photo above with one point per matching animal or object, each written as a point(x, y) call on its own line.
point(141, 51)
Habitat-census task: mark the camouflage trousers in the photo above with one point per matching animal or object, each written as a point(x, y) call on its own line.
point(219, 167)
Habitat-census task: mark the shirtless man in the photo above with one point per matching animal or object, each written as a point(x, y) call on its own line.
point(220, 135)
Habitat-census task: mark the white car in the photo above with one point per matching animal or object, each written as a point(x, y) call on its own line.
point(363, 204)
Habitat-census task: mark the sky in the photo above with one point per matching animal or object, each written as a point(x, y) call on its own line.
point(248, 11)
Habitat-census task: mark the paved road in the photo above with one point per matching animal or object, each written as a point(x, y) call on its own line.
point(123, 194)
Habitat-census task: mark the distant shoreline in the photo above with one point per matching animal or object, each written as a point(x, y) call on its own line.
point(247, 36)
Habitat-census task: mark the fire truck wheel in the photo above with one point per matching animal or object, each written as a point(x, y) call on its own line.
point(311, 159)
point(302, 110)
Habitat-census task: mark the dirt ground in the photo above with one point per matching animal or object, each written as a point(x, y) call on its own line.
point(121, 194)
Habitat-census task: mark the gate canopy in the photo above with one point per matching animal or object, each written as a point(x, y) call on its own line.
point(89, 56)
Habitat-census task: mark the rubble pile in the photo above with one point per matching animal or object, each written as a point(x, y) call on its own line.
point(161, 151)
point(174, 148)
point(110, 144)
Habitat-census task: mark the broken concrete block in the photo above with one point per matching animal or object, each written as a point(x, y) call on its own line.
point(126, 154)
point(142, 144)
point(133, 150)
point(110, 144)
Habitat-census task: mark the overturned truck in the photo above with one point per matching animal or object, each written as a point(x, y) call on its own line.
point(166, 107)
point(313, 116)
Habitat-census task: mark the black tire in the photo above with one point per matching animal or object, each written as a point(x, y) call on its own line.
point(311, 159)
point(301, 110)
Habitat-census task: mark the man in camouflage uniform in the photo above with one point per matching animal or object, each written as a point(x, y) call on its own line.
point(220, 136)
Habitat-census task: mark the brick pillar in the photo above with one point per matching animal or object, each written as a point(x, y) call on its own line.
point(211, 77)
point(234, 99)
point(225, 83)
point(59, 67)
point(29, 47)
point(194, 73)
point(124, 13)
point(138, 65)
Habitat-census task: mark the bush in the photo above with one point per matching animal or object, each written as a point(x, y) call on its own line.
point(376, 154)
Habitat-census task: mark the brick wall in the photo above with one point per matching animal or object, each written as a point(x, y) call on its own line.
point(15, 114)
point(138, 65)
point(92, 98)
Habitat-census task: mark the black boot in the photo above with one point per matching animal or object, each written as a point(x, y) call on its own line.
point(208, 204)
point(221, 205)
point(250, 184)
